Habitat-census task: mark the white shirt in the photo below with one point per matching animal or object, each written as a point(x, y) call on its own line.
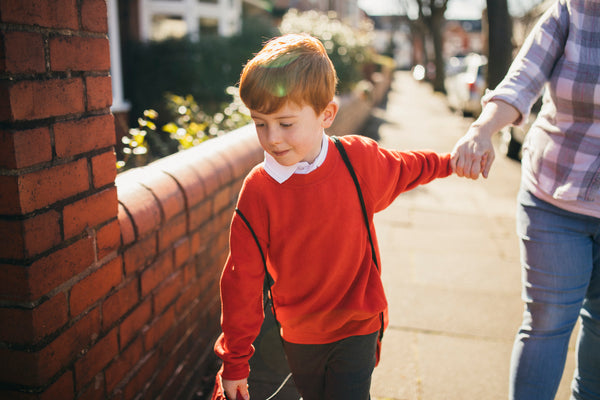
point(282, 173)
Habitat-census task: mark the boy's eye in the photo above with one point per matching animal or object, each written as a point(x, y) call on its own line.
point(285, 125)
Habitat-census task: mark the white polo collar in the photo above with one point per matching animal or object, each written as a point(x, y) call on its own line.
point(282, 173)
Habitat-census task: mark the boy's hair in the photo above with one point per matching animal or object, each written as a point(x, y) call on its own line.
point(293, 67)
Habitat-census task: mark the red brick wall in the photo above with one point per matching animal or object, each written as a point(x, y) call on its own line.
point(106, 291)
point(174, 216)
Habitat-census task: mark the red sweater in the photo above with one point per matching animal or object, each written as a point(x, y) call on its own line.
point(313, 234)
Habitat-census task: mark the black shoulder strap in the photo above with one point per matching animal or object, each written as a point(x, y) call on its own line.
point(262, 255)
point(340, 147)
point(268, 278)
point(268, 296)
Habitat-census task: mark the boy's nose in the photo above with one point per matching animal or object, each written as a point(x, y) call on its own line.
point(274, 136)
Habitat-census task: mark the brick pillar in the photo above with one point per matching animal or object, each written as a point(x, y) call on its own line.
point(59, 234)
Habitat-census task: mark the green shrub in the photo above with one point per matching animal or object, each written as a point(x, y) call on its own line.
point(347, 47)
point(202, 69)
point(188, 125)
point(192, 126)
point(182, 88)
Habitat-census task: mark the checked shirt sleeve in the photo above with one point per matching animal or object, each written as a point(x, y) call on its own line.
point(535, 61)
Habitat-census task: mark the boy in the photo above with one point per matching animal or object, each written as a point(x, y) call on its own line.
point(303, 207)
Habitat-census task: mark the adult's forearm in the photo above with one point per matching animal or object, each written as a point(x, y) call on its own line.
point(496, 115)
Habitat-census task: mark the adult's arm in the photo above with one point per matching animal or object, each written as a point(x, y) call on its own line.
point(510, 102)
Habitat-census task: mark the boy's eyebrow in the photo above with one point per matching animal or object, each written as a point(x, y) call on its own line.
point(285, 116)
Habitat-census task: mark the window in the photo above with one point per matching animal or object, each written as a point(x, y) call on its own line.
point(162, 19)
point(168, 26)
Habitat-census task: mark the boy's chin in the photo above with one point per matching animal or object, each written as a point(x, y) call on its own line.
point(287, 161)
point(287, 164)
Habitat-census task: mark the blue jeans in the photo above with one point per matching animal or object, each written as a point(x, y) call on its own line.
point(560, 258)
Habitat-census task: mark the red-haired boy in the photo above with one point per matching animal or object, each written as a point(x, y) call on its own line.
point(303, 207)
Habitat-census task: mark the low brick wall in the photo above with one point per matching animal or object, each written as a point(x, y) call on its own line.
point(174, 216)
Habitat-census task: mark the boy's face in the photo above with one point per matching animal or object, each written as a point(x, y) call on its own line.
point(293, 133)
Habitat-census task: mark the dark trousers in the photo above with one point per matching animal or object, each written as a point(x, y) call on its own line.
point(340, 370)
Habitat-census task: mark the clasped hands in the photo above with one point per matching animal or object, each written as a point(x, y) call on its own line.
point(473, 154)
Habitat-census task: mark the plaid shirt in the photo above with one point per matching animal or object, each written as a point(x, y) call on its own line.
point(561, 153)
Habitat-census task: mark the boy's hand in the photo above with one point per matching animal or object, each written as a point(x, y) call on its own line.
point(236, 390)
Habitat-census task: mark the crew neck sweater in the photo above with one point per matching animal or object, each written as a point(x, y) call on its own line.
point(313, 234)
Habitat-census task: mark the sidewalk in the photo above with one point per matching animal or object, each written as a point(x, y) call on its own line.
point(450, 262)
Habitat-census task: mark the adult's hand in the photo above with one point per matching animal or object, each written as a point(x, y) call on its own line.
point(473, 154)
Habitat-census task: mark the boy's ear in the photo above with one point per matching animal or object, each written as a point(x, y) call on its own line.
point(329, 114)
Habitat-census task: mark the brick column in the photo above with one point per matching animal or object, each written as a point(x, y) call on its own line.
point(59, 234)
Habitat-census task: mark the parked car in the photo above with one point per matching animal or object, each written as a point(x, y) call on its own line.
point(465, 83)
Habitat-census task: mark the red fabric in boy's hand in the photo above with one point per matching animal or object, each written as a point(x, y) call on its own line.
point(218, 392)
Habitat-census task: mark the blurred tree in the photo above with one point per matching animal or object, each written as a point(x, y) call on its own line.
point(431, 15)
point(500, 45)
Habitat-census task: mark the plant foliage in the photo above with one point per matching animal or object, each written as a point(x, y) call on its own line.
point(189, 126)
point(202, 69)
point(347, 47)
point(183, 88)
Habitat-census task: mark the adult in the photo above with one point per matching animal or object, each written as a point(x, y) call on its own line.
point(558, 217)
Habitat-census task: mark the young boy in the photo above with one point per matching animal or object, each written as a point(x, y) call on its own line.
point(303, 207)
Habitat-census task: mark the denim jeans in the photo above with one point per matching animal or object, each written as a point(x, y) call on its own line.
point(560, 258)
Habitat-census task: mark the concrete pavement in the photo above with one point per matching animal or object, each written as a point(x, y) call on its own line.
point(450, 264)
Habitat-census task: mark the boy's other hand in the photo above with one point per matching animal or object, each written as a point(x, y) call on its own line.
point(236, 390)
